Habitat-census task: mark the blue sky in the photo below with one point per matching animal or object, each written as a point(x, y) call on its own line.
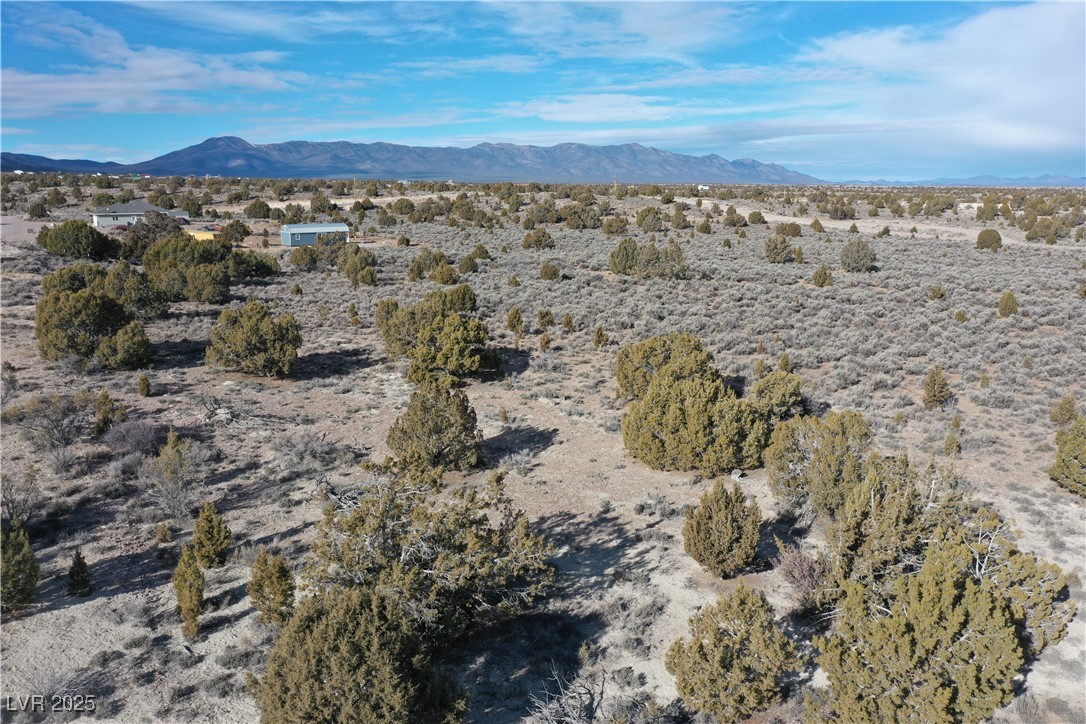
point(838, 90)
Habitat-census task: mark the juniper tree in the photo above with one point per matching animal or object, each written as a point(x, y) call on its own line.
point(937, 391)
point(637, 363)
point(858, 256)
point(255, 341)
point(444, 273)
point(210, 537)
point(692, 423)
point(623, 257)
point(989, 239)
point(20, 569)
point(514, 321)
point(778, 250)
point(721, 533)
point(425, 263)
point(818, 460)
point(734, 662)
point(188, 586)
point(897, 516)
point(271, 588)
point(943, 648)
point(1069, 470)
point(129, 349)
point(76, 323)
point(822, 276)
point(79, 583)
point(450, 557)
point(76, 239)
point(438, 429)
point(538, 239)
point(1008, 304)
point(352, 655)
point(450, 345)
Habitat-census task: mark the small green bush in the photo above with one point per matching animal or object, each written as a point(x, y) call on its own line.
point(735, 660)
point(937, 390)
point(271, 588)
point(76, 239)
point(822, 276)
point(210, 537)
point(989, 239)
point(858, 256)
point(721, 533)
point(437, 430)
point(20, 569)
point(1008, 304)
point(254, 341)
point(549, 271)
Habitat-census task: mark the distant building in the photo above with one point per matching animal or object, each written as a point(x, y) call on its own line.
point(203, 234)
point(306, 234)
point(130, 213)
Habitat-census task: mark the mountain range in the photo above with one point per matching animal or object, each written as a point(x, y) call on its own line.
point(564, 163)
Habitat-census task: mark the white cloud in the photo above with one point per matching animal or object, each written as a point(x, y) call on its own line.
point(1008, 78)
point(451, 67)
point(123, 78)
point(592, 108)
point(620, 31)
point(305, 22)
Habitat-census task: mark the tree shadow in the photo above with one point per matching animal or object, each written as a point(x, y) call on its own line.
point(125, 573)
point(179, 353)
point(502, 664)
point(737, 383)
point(321, 365)
point(520, 439)
point(507, 361)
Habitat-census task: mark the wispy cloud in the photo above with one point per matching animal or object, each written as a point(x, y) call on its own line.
point(1009, 77)
point(270, 129)
point(308, 23)
point(451, 67)
point(125, 79)
point(621, 31)
point(13, 131)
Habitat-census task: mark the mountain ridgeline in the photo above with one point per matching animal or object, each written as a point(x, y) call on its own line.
point(564, 163)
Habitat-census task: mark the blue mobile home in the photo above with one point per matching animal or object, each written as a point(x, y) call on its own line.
point(306, 234)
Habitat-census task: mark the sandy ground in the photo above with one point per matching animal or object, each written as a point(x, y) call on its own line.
point(626, 588)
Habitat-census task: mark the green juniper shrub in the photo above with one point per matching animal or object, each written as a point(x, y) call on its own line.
point(79, 583)
point(255, 341)
point(736, 658)
point(210, 537)
point(721, 533)
point(20, 569)
point(271, 588)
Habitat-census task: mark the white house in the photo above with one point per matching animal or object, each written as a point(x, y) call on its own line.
point(130, 213)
